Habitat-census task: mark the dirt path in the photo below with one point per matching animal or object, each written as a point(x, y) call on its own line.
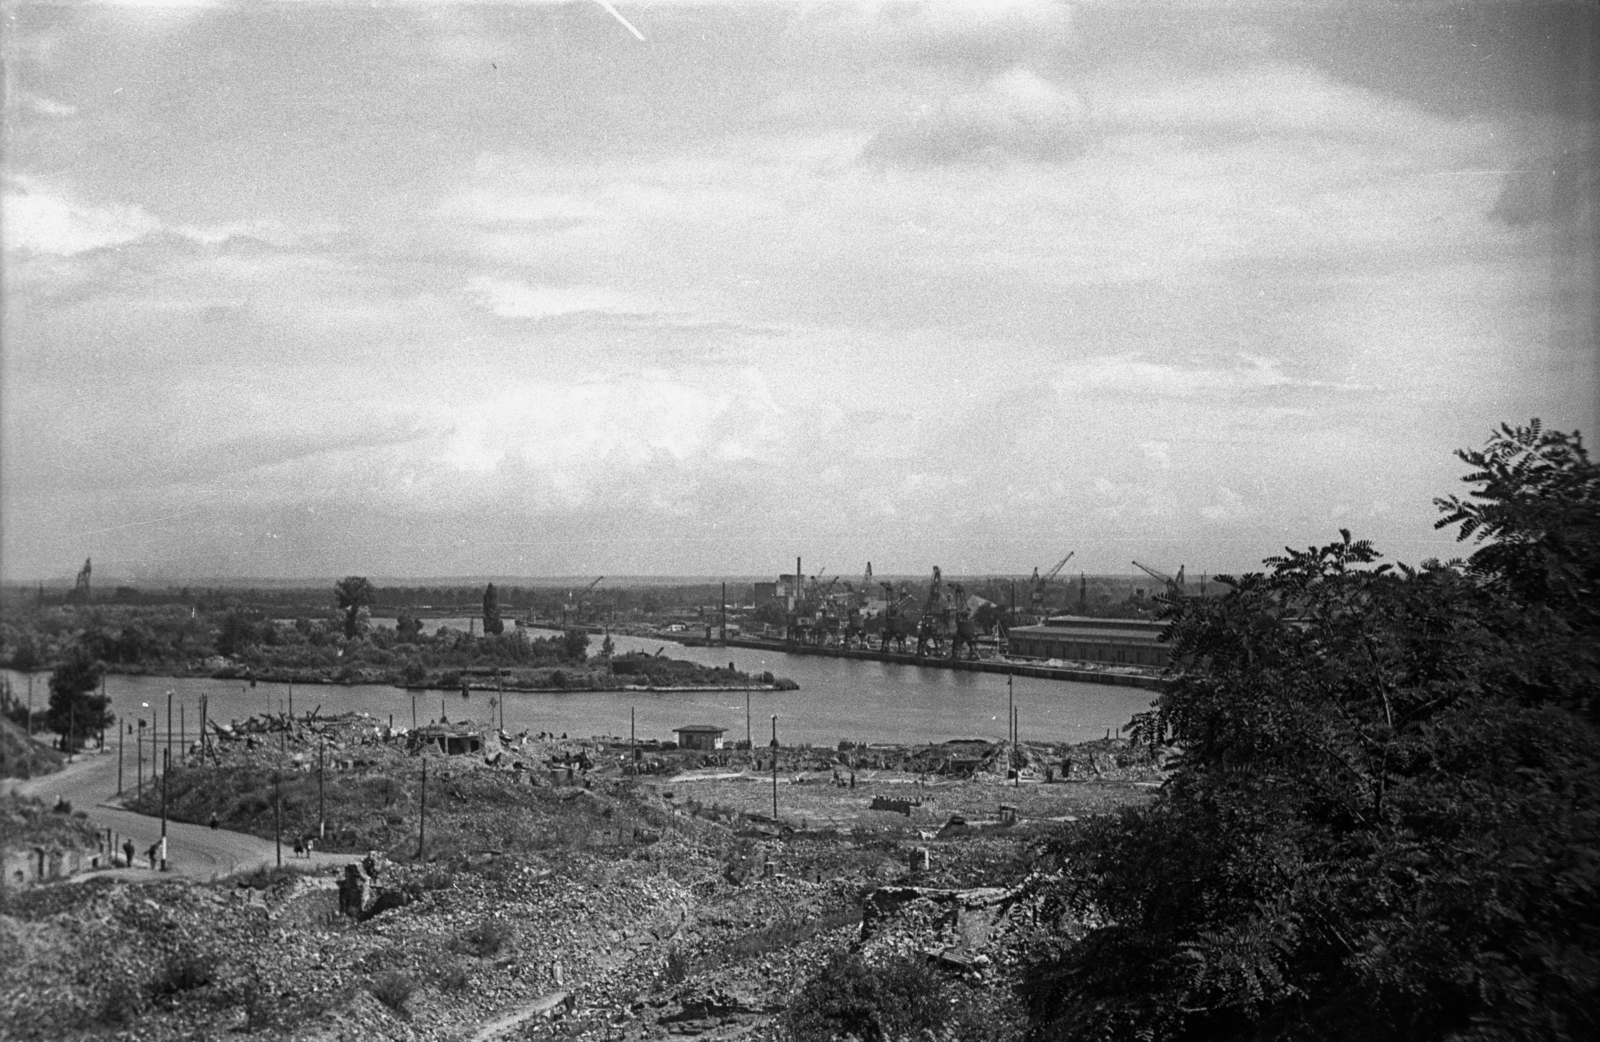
point(195, 851)
point(521, 1015)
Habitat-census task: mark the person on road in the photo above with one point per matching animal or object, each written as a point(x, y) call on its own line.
point(128, 849)
point(151, 854)
point(299, 847)
point(213, 821)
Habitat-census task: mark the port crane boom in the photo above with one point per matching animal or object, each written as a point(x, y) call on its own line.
point(1175, 583)
point(1039, 582)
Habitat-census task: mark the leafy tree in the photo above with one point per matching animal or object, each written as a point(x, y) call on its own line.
point(493, 626)
point(575, 645)
point(354, 593)
point(408, 628)
point(1385, 822)
point(76, 706)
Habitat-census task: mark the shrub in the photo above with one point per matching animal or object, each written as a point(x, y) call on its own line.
point(394, 989)
point(183, 971)
point(121, 1003)
point(903, 997)
point(486, 939)
point(453, 977)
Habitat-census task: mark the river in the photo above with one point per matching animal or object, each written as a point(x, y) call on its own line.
point(838, 699)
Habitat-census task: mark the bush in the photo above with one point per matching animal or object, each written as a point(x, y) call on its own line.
point(486, 939)
point(394, 990)
point(453, 977)
point(901, 998)
point(183, 971)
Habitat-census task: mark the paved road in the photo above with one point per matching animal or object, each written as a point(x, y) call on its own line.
point(196, 851)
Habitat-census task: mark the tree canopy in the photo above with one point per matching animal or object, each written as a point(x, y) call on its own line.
point(354, 593)
point(1384, 821)
point(77, 709)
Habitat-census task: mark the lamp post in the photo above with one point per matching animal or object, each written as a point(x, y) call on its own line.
point(139, 746)
point(120, 744)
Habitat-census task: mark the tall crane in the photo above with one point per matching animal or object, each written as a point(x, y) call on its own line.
point(1173, 584)
point(1039, 582)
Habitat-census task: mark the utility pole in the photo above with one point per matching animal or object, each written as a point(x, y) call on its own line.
point(422, 819)
point(167, 763)
point(413, 710)
point(500, 681)
point(748, 743)
point(277, 818)
point(724, 614)
point(164, 773)
point(291, 701)
point(139, 747)
point(205, 706)
point(183, 731)
point(322, 821)
point(121, 741)
point(775, 765)
point(30, 703)
point(1016, 738)
point(633, 751)
point(72, 725)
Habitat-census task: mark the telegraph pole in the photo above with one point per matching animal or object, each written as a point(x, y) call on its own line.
point(167, 764)
point(774, 768)
point(121, 736)
point(164, 774)
point(277, 818)
point(139, 746)
point(422, 818)
point(30, 703)
point(322, 822)
point(183, 731)
point(633, 751)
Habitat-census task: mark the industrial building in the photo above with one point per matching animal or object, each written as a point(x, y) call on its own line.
point(1128, 642)
point(700, 736)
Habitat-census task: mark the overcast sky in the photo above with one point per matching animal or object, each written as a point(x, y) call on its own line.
point(420, 289)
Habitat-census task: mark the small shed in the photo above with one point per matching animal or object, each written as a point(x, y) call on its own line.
point(699, 736)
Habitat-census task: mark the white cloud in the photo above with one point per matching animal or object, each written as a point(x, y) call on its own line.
point(1017, 114)
point(510, 299)
point(41, 222)
point(1131, 373)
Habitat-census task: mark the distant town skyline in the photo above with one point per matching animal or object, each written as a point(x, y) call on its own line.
point(313, 289)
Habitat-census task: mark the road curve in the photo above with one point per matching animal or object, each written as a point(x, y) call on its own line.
point(195, 851)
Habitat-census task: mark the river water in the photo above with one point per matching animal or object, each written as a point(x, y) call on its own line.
point(838, 699)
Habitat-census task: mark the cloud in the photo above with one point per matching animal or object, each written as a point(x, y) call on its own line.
point(1130, 373)
point(38, 105)
point(40, 222)
point(1016, 115)
point(968, 32)
point(510, 299)
point(1264, 100)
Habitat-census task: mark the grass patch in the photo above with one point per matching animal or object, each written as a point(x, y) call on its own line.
point(394, 990)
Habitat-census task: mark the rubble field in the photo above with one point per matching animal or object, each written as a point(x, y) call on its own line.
point(560, 893)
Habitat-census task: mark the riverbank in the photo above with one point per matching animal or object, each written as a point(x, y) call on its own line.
point(1086, 673)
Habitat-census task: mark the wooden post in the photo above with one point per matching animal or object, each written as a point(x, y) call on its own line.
point(422, 818)
point(120, 743)
point(139, 748)
point(166, 771)
point(166, 764)
point(183, 731)
point(774, 768)
point(633, 750)
point(277, 818)
point(30, 703)
point(322, 823)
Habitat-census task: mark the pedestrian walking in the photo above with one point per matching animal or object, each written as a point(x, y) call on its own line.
point(299, 847)
point(213, 821)
point(128, 849)
point(151, 854)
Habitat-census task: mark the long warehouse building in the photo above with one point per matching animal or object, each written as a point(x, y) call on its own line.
point(1129, 642)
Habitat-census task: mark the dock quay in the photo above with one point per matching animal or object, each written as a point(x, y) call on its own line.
point(1148, 679)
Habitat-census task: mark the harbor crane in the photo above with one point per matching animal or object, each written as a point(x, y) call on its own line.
point(1175, 585)
point(1038, 583)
